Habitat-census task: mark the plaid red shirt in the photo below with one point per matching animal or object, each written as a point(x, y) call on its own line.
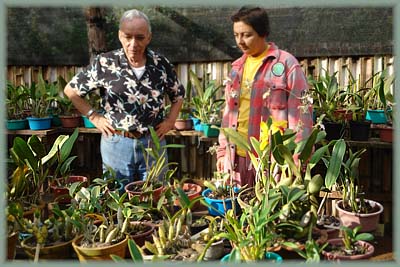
point(276, 91)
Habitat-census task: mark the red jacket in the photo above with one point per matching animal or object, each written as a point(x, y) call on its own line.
point(277, 89)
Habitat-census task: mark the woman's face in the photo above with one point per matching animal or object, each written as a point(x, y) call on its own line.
point(248, 39)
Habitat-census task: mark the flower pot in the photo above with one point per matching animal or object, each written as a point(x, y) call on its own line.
point(55, 121)
point(218, 207)
point(71, 121)
point(386, 134)
point(376, 116)
point(192, 191)
point(39, 123)
point(209, 131)
point(142, 196)
point(100, 253)
point(183, 124)
point(368, 221)
point(332, 255)
point(61, 193)
point(12, 245)
point(14, 125)
point(142, 236)
point(197, 125)
point(215, 251)
point(61, 250)
point(87, 123)
point(269, 256)
point(359, 131)
point(334, 130)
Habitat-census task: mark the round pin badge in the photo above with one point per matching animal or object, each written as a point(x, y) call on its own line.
point(278, 69)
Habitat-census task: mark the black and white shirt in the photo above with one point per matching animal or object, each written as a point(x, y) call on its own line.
point(130, 104)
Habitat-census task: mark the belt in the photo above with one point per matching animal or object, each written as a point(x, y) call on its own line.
point(132, 135)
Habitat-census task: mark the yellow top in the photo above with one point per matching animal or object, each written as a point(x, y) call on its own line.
point(250, 69)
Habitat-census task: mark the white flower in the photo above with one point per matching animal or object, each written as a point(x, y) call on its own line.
point(119, 106)
point(146, 83)
point(175, 88)
point(132, 97)
point(156, 58)
point(130, 83)
point(91, 84)
point(92, 74)
point(164, 76)
point(103, 62)
point(113, 68)
point(144, 101)
point(155, 111)
point(155, 94)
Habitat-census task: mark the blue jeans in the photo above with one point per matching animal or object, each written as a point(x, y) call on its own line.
point(125, 156)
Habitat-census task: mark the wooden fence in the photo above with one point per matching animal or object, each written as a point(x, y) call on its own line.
point(361, 68)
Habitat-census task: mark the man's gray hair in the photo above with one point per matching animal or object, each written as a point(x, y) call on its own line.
point(134, 14)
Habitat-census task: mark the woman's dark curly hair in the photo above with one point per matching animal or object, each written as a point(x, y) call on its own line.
point(256, 17)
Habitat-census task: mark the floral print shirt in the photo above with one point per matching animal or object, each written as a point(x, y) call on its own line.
point(130, 104)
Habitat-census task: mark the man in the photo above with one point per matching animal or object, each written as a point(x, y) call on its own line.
point(265, 82)
point(133, 81)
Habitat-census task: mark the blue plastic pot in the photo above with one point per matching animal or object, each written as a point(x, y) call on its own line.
point(17, 124)
point(376, 116)
point(217, 206)
point(197, 124)
point(209, 131)
point(269, 256)
point(39, 123)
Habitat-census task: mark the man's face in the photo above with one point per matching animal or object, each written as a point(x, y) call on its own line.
point(248, 39)
point(134, 36)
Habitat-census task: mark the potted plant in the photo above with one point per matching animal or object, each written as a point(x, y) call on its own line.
point(219, 195)
point(98, 243)
point(205, 102)
point(353, 209)
point(184, 121)
point(379, 96)
point(328, 96)
point(352, 245)
point(158, 170)
point(217, 248)
point(51, 238)
point(39, 104)
point(16, 102)
point(33, 165)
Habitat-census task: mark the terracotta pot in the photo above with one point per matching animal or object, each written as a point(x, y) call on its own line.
point(61, 193)
point(386, 134)
point(100, 253)
point(331, 255)
point(12, 245)
point(194, 190)
point(143, 197)
point(183, 124)
point(71, 121)
point(368, 221)
point(140, 238)
point(62, 250)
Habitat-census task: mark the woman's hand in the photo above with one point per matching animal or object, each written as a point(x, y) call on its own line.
point(220, 164)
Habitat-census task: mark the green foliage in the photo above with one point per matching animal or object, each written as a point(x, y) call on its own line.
point(351, 236)
point(206, 106)
point(33, 164)
point(16, 101)
point(327, 95)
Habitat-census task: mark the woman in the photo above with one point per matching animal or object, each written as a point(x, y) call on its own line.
point(265, 82)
